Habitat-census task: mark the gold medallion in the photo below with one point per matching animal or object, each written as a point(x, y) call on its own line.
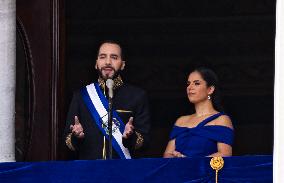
point(217, 164)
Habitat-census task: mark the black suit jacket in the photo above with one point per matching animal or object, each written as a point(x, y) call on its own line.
point(128, 101)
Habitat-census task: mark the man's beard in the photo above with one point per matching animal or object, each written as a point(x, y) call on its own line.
point(115, 74)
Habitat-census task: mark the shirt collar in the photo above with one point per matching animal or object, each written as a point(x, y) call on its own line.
point(117, 82)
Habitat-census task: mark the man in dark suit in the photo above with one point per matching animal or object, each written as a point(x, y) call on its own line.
point(86, 128)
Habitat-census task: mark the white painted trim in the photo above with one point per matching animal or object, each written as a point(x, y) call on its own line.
point(278, 152)
point(7, 79)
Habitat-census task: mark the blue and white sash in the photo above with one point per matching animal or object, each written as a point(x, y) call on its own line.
point(98, 106)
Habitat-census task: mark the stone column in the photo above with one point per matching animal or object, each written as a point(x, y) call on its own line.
point(278, 151)
point(7, 79)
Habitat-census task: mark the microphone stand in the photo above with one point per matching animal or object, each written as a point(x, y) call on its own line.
point(110, 127)
point(109, 84)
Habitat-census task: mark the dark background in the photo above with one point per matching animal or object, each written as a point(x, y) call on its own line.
point(163, 41)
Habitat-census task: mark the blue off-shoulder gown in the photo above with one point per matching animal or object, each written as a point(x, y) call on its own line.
point(201, 140)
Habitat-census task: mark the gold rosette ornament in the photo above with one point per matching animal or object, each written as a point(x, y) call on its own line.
point(217, 164)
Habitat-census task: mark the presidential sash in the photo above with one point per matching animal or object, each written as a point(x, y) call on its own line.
point(97, 104)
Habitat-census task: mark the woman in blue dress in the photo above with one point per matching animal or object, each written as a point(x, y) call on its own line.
point(207, 132)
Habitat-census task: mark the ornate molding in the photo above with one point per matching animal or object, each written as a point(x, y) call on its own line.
point(55, 77)
point(31, 83)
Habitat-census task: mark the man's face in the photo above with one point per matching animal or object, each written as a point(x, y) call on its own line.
point(109, 61)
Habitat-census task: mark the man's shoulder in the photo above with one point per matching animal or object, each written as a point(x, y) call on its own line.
point(78, 90)
point(130, 87)
point(131, 91)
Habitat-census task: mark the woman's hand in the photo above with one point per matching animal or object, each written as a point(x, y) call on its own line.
point(177, 154)
point(173, 154)
point(170, 151)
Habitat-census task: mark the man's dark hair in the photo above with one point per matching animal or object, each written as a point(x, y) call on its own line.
point(110, 41)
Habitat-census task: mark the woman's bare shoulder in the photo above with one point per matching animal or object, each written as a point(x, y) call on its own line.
point(182, 120)
point(224, 120)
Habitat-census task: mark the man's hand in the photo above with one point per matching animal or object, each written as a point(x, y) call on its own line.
point(77, 128)
point(129, 128)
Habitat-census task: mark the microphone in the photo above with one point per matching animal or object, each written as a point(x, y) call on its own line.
point(109, 84)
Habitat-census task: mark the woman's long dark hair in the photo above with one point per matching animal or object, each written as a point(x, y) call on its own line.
point(212, 80)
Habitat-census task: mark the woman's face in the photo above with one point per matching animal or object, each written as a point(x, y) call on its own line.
point(197, 90)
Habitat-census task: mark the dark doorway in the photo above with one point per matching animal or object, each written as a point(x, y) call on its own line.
point(165, 39)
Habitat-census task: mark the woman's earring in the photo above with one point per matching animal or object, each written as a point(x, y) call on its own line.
point(209, 97)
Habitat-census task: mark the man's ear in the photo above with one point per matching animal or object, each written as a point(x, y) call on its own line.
point(211, 90)
point(123, 65)
point(96, 65)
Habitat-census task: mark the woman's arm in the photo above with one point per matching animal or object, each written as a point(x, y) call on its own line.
point(223, 149)
point(170, 149)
